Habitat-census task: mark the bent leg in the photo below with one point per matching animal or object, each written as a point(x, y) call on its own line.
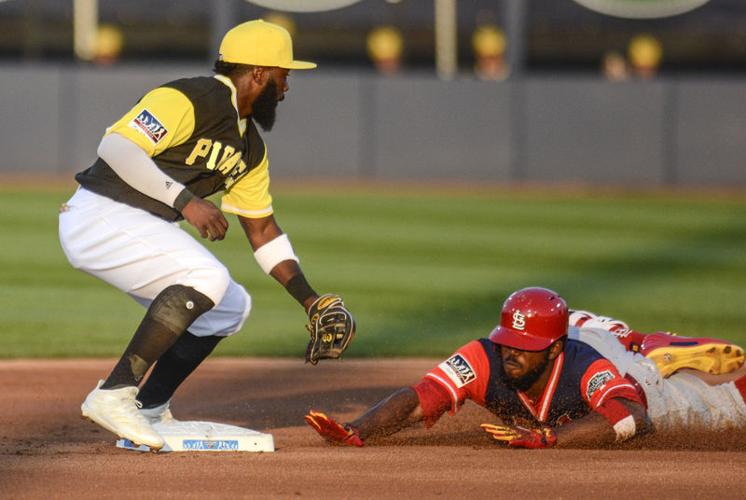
point(174, 366)
point(168, 317)
point(158, 264)
point(669, 351)
point(154, 261)
point(721, 378)
point(136, 252)
point(685, 400)
point(188, 352)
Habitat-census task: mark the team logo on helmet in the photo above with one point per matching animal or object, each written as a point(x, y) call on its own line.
point(519, 321)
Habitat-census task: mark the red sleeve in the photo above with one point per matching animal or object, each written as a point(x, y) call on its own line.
point(613, 410)
point(434, 400)
point(462, 376)
point(602, 382)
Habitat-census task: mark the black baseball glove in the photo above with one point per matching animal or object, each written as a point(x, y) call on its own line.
point(331, 327)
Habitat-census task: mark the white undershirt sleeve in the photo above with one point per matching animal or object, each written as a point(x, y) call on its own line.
point(136, 168)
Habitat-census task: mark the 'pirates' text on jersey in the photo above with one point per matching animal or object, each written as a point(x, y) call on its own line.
point(192, 131)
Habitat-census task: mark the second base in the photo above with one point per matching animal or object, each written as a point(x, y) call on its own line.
point(205, 436)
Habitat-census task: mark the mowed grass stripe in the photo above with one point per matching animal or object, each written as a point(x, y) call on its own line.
point(423, 272)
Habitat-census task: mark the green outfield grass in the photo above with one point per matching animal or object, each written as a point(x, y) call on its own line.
point(423, 272)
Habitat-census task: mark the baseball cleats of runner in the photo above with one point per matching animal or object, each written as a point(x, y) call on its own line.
point(117, 410)
point(671, 352)
point(159, 415)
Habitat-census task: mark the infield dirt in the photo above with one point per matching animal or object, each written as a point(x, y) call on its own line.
point(47, 451)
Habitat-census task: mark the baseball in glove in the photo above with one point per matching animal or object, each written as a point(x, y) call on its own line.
point(331, 327)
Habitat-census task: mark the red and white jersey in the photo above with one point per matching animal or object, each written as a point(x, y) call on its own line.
point(581, 381)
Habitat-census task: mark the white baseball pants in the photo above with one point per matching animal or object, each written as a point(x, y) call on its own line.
point(142, 254)
point(679, 401)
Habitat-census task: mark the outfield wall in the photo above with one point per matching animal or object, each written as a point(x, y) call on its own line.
point(358, 125)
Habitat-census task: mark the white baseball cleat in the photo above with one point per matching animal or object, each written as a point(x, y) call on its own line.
point(117, 411)
point(159, 415)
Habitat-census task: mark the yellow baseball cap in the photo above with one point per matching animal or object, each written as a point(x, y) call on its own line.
point(261, 44)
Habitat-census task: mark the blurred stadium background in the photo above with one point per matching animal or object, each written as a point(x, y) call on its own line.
point(481, 145)
point(485, 90)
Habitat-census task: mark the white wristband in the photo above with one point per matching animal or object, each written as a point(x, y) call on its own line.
point(625, 428)
point(272, 253)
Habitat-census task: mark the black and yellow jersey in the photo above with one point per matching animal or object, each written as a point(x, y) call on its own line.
point(192, 131)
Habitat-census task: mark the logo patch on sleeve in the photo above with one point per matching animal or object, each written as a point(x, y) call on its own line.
point(458, 370)
point(146, 123)
point(597, 382)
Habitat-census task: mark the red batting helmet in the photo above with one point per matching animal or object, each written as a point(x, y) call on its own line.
point(531, 320)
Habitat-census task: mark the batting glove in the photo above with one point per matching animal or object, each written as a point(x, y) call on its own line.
point(332, 431)
point(521, 437)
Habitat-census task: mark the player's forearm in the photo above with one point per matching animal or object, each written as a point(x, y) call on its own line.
point(591, 430)
point(276, 257)
point(595, 430)
point(401, 409)
point(136, 168)
point(260, 231)
point(288, 273)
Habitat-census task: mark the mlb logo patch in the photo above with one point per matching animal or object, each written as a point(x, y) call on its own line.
point(149, 125)
point(458, 369)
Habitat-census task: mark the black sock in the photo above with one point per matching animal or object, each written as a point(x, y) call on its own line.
point(174, 367)
point(168, 316)
point(150, 339)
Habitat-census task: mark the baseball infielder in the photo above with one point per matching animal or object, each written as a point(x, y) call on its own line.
point(592, 383)
point(182, 142)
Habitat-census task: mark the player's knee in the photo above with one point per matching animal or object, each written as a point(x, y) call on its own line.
point(211, 281)
point(220, 280)
point(244, 308)
point(239, 305)
point(227, 317)
point(177, 306)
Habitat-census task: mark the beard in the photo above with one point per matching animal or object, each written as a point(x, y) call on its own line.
point(264, 109)
point(525, 381)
